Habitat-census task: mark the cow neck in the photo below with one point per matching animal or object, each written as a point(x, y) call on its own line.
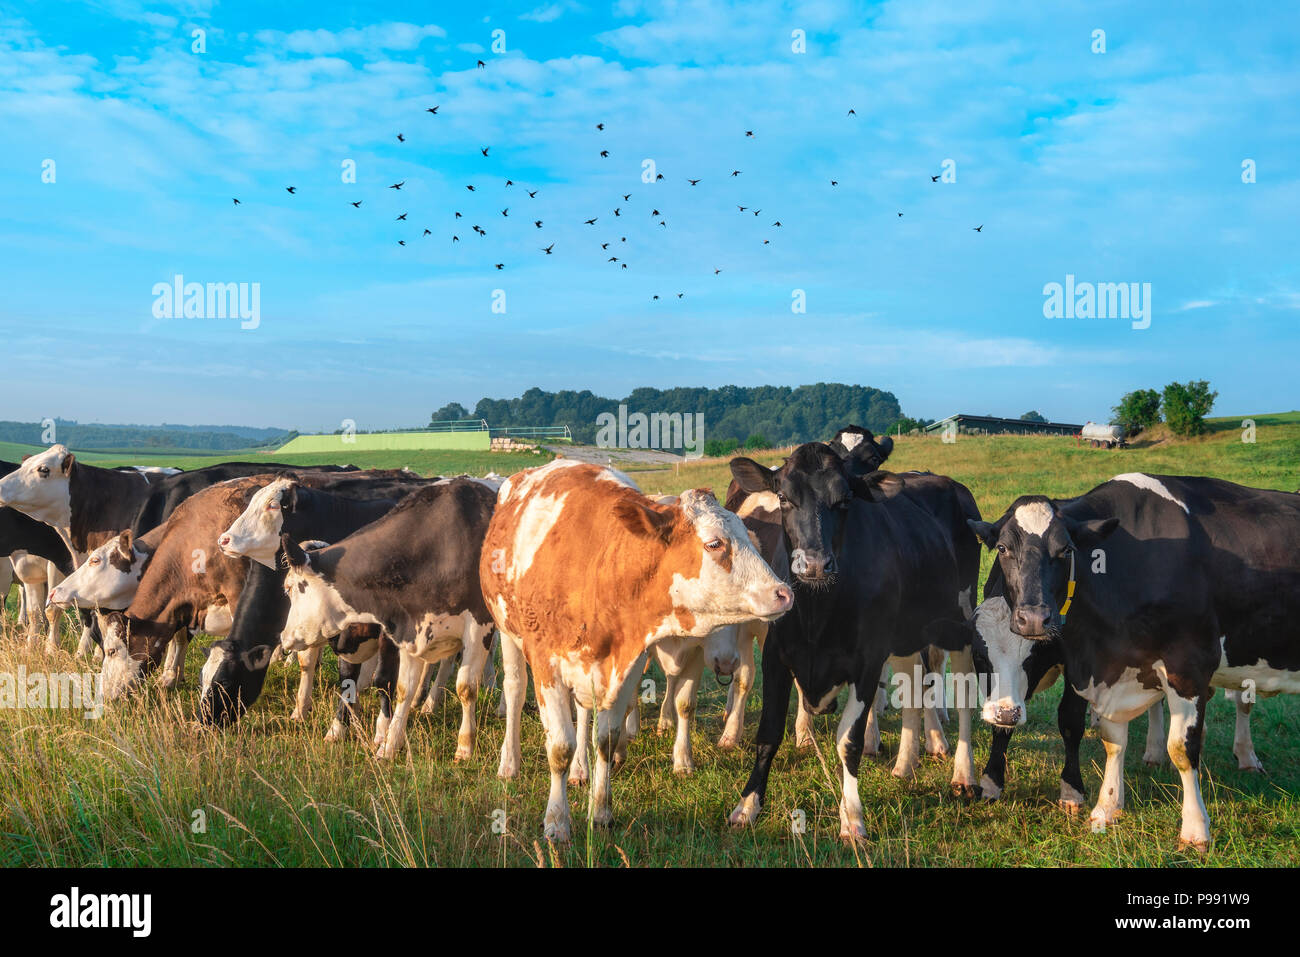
point(94, 493)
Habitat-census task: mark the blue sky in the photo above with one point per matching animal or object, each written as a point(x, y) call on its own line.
point(1123, 166)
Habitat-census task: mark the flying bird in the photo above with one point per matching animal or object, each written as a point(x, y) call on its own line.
point(484, 150)
point(458, 215)
point(654, 298)
point(626, 197)
point(777, 223)
point(401, 242)
point(716, 271)
point(935, 179)
point(470, 188)
point(235, 201)
point(692, 181)
point(398, 185)
point(403, 216)
point(749, 132)
point(291, 189)
point(604, 153)
point(600, 126)
point(604, 245)
point(401, 138)
point(853, 112)
point(654, 212)
point(616, 210)
point(537, 223)
point(510, 182)
point(592, 222)
point(742, 208)
point(501, 265)
point(622, 265)
point(432, 109)
point(680, 294)
point(612, 259)
point(428, 232)
point(735, 172)
point(659, 177)
point(900, 214)
point(979, 228)
point(835, 182)
point(455, 239)
point(532, 193)
point(357, 204)
point(506, 212)
point(547, 249)
point(480, 65)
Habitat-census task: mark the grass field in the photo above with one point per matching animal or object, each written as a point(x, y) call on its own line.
point(123, 790)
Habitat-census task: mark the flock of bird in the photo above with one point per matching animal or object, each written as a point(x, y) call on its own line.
point(617, 212)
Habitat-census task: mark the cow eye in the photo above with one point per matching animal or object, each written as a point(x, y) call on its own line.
point(95, 560)
point(714, 544)
point(1002, 549)
point(272, 505)
point(43, 471)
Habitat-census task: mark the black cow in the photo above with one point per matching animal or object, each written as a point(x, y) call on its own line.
point(1158, 587)
point(412, 577)
point(326, 508)
point(875, 575)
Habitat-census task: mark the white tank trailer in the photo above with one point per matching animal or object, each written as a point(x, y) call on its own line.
point(1107, 436)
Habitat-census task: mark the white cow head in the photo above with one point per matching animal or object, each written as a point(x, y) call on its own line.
point(256, 533)
point(1003, 658)
point(108, 578)
point(317, 612)
point(729, 583)
point(40, 487)
point(121, 674)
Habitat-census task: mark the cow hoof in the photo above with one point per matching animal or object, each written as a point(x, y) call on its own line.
point(296, 715)
point(728, 741)
point(936, 745)
point(577, 780)
point(853, 833)
point(463, 753)
point(989, 790)
point(803, 741)
point(746, 811)
point(1199, 846)
point(557, 832)
point(1072, 808)
point(1250, 763)
point(662, 728)
point(1100, 816)
point(334, 734)
point(508, 770)
point(962, 790)
point(1155, 760)
point(904, 772)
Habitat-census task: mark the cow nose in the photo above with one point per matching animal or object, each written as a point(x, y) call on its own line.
point(223, 541)
point(725, 666)
point(1008, 716)
point(784, 596)
point(1031, 619)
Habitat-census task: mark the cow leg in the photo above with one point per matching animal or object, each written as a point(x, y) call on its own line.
point(490, 672)
point(1110, 803)
point(173, 669)
point(560, 743)
point(879, 702)
point(579, 771)
point(307, 662)
point(473, 657)
point(6, 582)
point(409, 678)
point(439, 687)
point(666, 723)
point(514, 675)
point(803, 724)
point(1070, 716)
point(34, 605)
point(1242, 745)
point(777, 680)
point(738, 694)
point(684, 701)
point(909, 740)
point(1186, 723)
point(848, 744)
point(387, 673)
point(87, 645)
point(1154, 753)
point(937, 660)
point(349, 688)
point(609, 724)
point(963, 762)
point(932, 689)
point(994, 778)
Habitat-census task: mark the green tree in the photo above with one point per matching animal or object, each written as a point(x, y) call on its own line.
point(1186, 404)
point(757, 441)
point(451, 412)
point(1033, 417)
point(1137, 410)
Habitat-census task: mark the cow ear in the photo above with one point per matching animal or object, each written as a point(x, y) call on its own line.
point(646, 520)
point(1091, 533)
point(124, 543)
point(66, 465)
point(257, 659)
point(886, 446)
point(294, 556)
point(752, 477)
point(984, 531)
point(876, 487)
point(289, 498)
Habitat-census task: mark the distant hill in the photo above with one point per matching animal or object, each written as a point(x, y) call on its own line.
point(215, 438)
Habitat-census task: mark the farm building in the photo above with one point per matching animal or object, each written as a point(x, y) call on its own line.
point(993, 425)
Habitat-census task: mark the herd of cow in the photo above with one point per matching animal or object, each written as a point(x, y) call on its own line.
point(1147, 590)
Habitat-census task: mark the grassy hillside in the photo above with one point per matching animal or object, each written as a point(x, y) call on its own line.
point(123, 790)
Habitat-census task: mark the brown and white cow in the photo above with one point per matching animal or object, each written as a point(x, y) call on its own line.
point(583, 575)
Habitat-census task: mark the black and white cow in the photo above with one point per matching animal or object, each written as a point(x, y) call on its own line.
point(412, 577)
point(875, 575)
point(1157, 587)
point(321, 508)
